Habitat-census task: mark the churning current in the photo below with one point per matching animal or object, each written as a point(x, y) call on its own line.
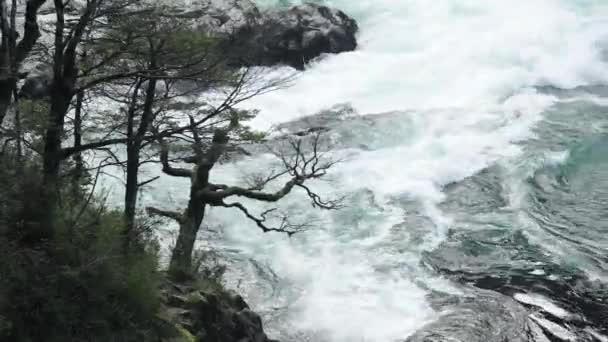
point(474, 135)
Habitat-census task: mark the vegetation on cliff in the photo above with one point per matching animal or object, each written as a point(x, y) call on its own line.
point(110, 82)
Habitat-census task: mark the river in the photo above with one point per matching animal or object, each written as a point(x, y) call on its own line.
point(474, 135)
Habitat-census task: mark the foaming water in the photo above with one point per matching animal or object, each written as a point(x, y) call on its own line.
point(443, 89)
point(460, 76)
point(448, 54)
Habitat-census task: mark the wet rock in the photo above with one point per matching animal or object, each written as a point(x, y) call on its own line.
point(322, 121)
point(250, 325)
point(238, 300)
point(220, 18)
point(300, 34)
point(292, 36)
point(212, 315)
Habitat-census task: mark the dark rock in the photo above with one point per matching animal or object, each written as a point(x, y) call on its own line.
point(222, 18)
point(292, 36)
point(37, 83)
point(213, 315)
point(238, 300)
point(181, 288)
point(249, 326)
point(300, 34)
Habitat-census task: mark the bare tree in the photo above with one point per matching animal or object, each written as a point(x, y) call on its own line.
point(138, 58)
point(143, 54)
point(64, 86)
point(150, 104)
point(299, 165)
point(175, 62)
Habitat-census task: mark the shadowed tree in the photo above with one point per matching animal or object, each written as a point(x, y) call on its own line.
point(13, 52)
point(143, 54)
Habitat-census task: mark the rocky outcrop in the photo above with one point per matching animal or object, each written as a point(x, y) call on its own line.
point(247, 36)
point(220, 18)
point(299, 34)
point(291, 36)
point(211, 314)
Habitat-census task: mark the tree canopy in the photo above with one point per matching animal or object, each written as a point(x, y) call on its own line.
point(129, 85)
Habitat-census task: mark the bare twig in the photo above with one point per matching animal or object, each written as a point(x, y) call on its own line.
point(284, 226)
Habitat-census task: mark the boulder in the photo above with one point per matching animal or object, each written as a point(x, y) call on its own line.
point(299, 34)
point(211, 314)
point(291, 36)
point(248, 36)
point(38, 82)
point(218, 18)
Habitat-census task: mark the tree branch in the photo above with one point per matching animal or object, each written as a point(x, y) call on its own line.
point(252, 194)
point(285, 226)
point(300, 165)
point(69, 66)
point(318, 202)
point(69, 151)
point(167, 168)
point(174, 215)
point(144, 183)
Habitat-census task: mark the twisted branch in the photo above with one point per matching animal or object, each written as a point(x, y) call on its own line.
point(167, 168)
point(284, 227)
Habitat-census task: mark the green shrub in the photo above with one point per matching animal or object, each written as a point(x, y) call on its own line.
point(79, 285)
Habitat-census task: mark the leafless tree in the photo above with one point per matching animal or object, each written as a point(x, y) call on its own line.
point(109, 44)
point(299, 165)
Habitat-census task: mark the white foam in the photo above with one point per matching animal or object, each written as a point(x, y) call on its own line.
point(555, 329)
point(538, 272)
point(464, 71)
point(597, 335)
point(542, 302)
point(445, 54)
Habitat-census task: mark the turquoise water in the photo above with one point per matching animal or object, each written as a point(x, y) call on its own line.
point(476, 159)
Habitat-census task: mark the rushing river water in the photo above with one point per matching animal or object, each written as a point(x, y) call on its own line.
point(475, 179)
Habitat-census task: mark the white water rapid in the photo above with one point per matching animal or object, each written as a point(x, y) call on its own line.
point(452, 86)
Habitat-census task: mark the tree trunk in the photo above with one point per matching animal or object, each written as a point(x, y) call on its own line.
point(6, 91)
point(7, 87)
point(79, 163)
point(134, 146)
point(61, 96)
point(131, 189)
point(19, 134)
point(14, 54)
point(181, 259)
point(51, 161)
point(52, 140)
